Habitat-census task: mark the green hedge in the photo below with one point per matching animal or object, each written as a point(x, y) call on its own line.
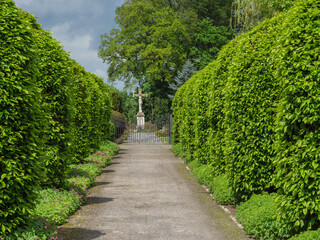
point(47, 109)
point(297, 149)
point(253, 113)
point(55, 82)
point(251, 95)
point(20, 116)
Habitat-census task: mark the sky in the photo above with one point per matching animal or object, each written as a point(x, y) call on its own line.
point(77, 25)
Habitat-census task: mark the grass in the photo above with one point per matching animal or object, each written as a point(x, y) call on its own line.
point(54, 206)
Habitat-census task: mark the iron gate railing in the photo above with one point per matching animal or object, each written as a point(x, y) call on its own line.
point(156, 130)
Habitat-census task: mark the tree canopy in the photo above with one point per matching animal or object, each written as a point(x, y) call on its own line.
point(248, 13)
point(150, 43)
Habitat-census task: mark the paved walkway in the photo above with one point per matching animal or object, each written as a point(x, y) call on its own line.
point(148, 194)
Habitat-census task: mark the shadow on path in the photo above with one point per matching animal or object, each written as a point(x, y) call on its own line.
point(100, 183)
point(98, 200)
point(107, 171)
point(80, 234)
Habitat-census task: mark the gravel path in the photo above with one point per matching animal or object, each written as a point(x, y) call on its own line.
point(147, 193)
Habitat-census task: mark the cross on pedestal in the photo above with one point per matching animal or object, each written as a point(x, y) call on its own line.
point(140, 95)
point(140, 114)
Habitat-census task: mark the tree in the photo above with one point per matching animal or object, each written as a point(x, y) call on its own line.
point(151, 43)
point(116, 100)
point(248, 13)
point(217, 10)
point(129, 106)
point(208, 40)
point(184, 75)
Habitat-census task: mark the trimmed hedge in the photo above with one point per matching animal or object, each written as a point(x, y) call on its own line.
point(20, 116)
point(297, 161)
point(45, 110)
point(253, 113)
point(251, 94)
point(55, 82)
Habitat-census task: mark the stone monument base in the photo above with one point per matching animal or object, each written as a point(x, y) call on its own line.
point(140, 120)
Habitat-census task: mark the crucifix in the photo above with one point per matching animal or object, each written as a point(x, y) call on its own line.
point(140, 114)
point(140, 95)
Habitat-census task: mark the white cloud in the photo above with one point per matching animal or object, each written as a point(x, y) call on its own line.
point(78, 45)
point(101, 73)
point(56, 6)
point(77, 25)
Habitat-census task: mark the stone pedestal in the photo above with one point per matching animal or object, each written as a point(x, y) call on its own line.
point(140, 120)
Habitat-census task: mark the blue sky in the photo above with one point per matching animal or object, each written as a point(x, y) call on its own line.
point(77, 25)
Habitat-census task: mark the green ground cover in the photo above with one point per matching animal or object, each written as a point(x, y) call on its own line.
point(54, 206)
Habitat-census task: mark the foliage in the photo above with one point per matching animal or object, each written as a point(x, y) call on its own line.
point(36, 228)
point(53, 206)
point(88, 170)
point(150, 43)
point(21, 119)
point(54, 80)
point(116, 99)
point(99, 158)
point(119, 121)
point(130, 106)
point(109, 148)
point(257, 217)
point(182, 76)
point(308, 235)
point(253, 114)
point(92, 113)
point(297, 148)
point(222, 191)
point(41, 112)
point(248, 13)
point(57, 204)
point(217, 10)
point(202, 172)
point(252, 92)
point(207, 42)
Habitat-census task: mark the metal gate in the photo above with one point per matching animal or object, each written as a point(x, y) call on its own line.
point(154, 131)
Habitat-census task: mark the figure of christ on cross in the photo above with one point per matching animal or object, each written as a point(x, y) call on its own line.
point(140, 95)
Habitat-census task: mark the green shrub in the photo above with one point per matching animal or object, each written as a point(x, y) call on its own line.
point(257, 217)
point(202, 172)
point(57, 204)
point(109, 147)
point(222, 191)
point(88, 170)
point(99, 158)
point(21, 118)
point(176, 149)
point(308, 235)
point(36, 228)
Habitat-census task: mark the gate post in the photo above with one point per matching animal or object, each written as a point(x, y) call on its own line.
point(170, 127)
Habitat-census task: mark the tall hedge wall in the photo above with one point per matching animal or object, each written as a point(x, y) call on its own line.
point(20, 117)
point(52, 113)
point(297, 148)
point(254, 114)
